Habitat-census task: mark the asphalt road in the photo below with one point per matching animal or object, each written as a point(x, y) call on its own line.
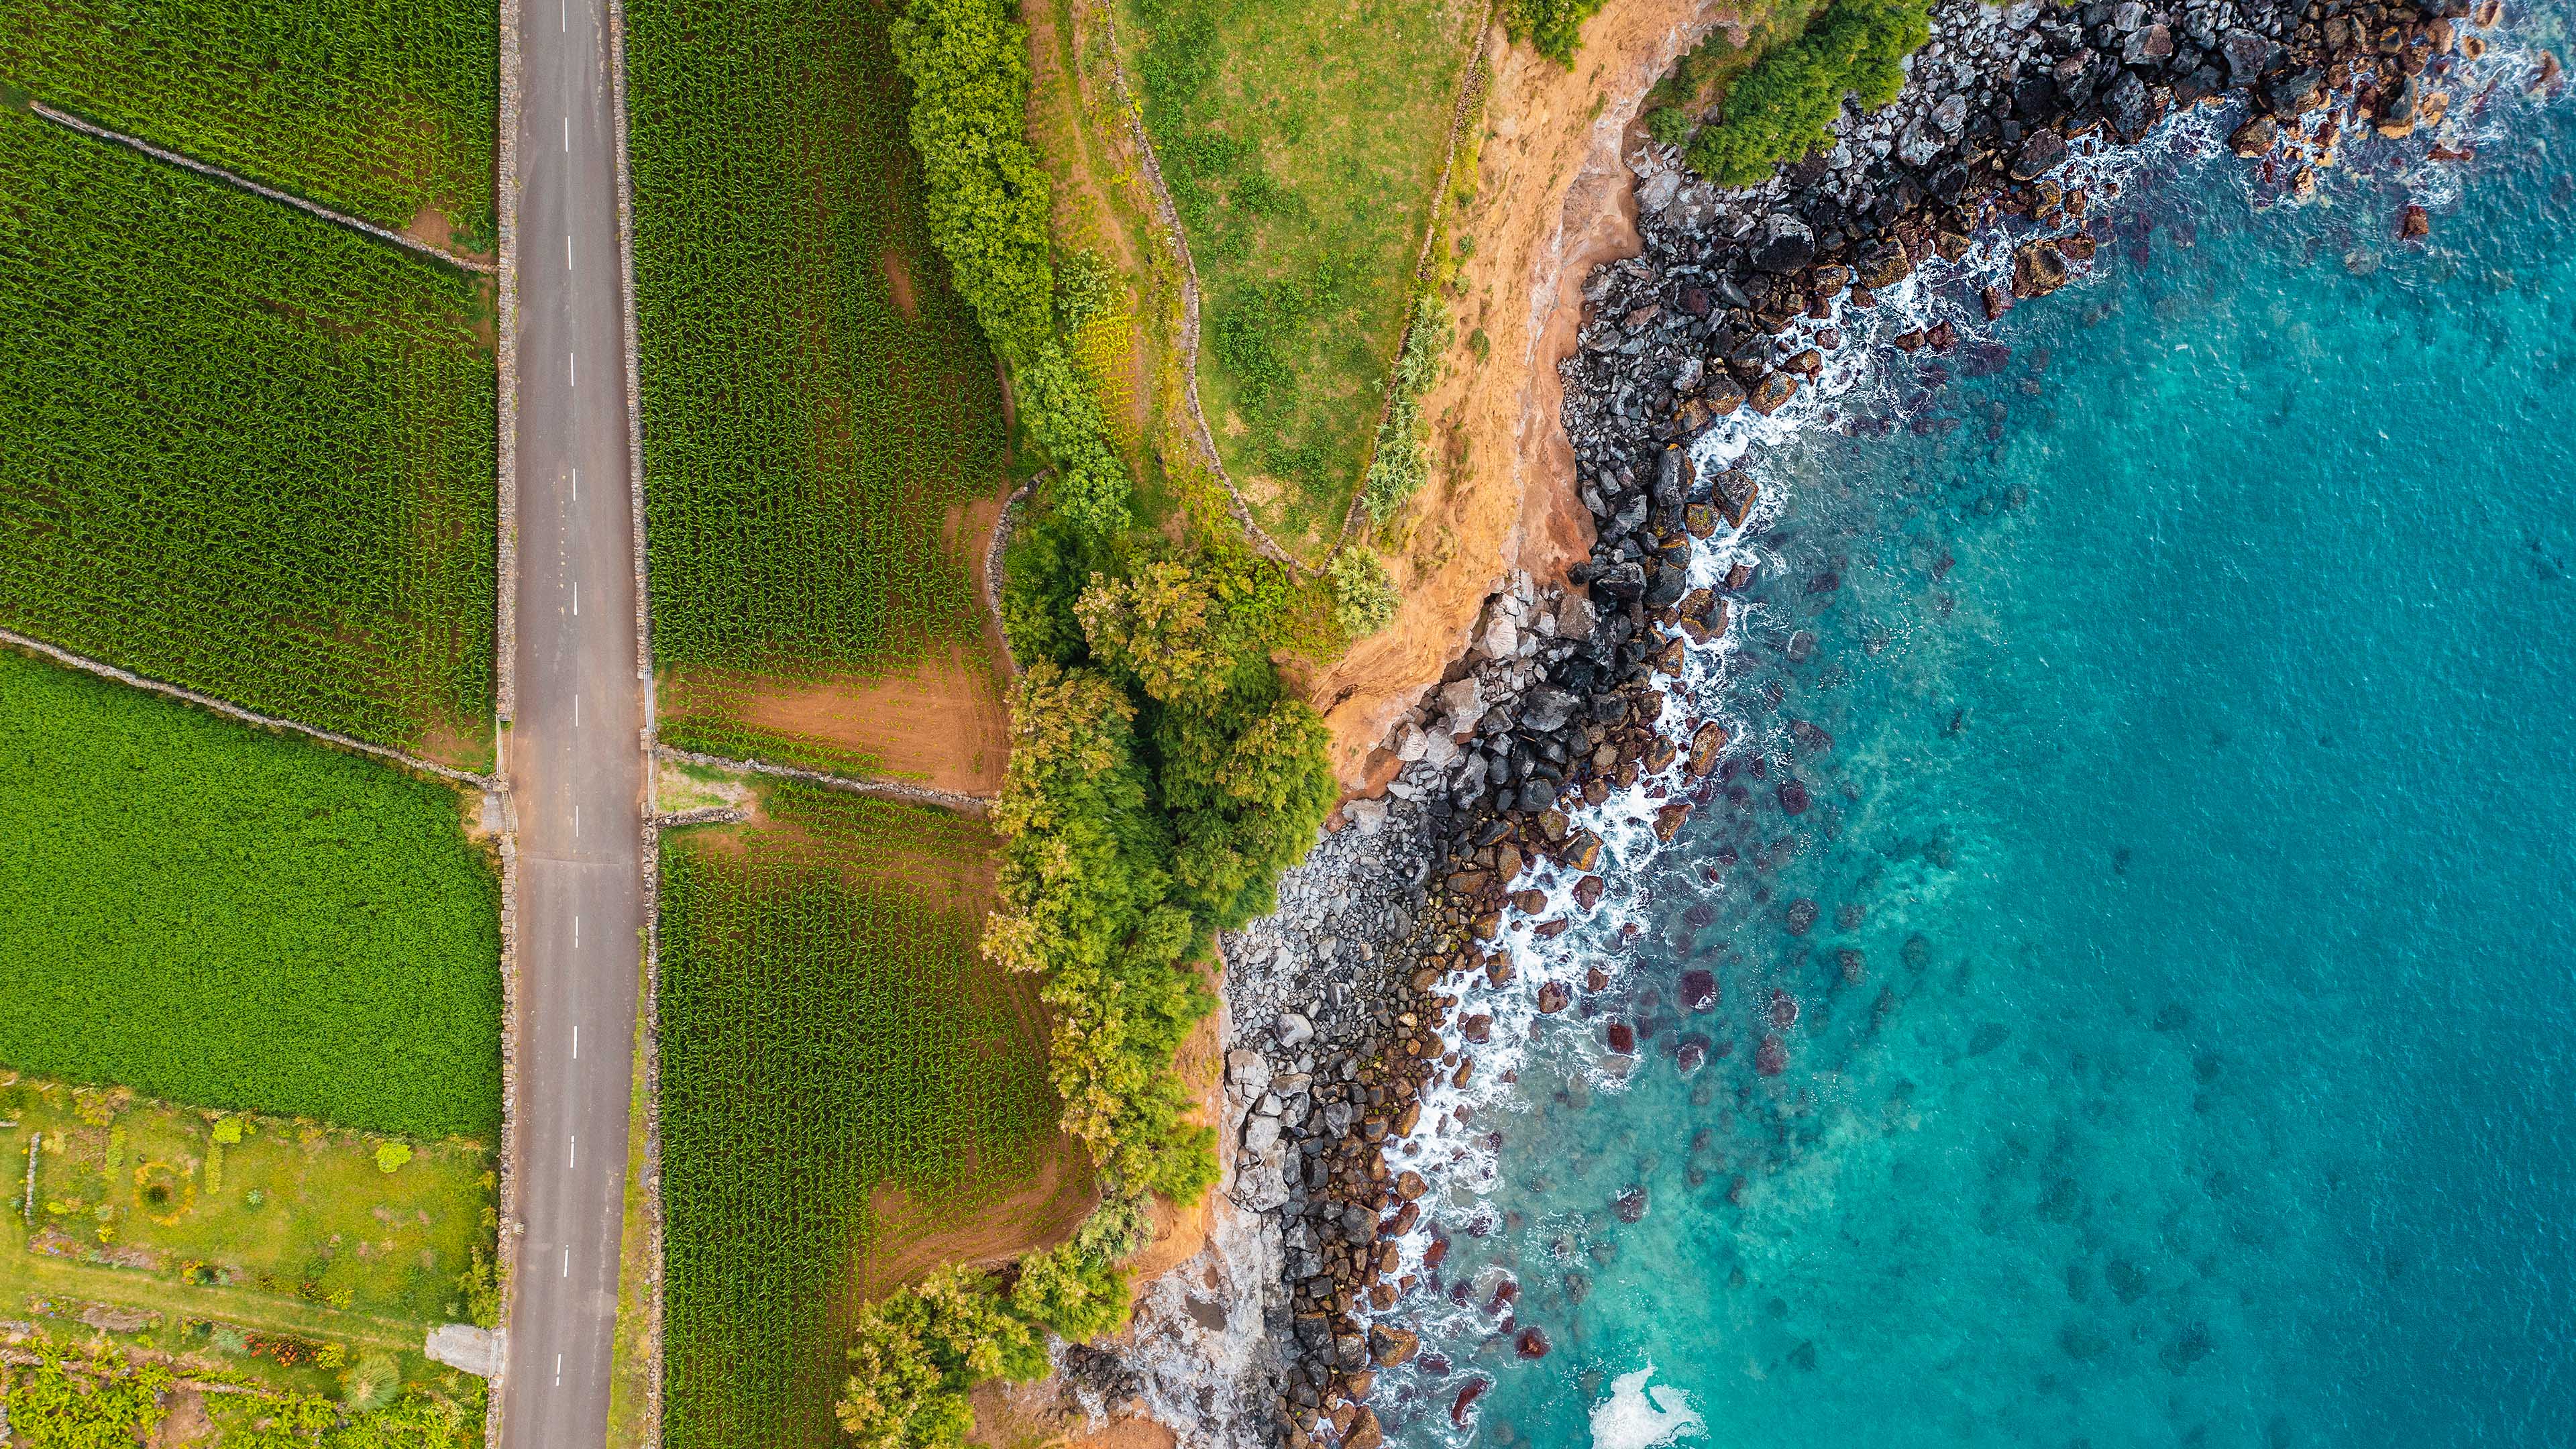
point(574, 753)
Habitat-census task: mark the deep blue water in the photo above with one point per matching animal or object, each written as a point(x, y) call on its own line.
point(2198, 800)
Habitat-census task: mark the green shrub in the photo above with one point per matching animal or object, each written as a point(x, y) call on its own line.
point(1364, 599)
point(987, 205)
point(1669, 125)
point(369, 1384)
point(1403, 460)
point(1554, 28)
point(915, 1355)
point(50, 1407)
point(390, 1156)
point(1085, 287)
point(1780, 109)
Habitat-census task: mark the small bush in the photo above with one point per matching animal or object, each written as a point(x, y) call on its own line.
point(229, 1131)
point(369, 1384)
point(1403, 461)
point(1554, 28)
point(1364, 599)
point(1780, 109)
point(1669, 125)
point(390, 1156)
point(1084, 288)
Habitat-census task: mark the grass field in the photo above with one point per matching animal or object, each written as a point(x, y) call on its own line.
point(1302, 143)
point(841, 1078)
point(382, 109)
point(218, 915)
point(245, 450)
point(290, 1233)
point(819, 406)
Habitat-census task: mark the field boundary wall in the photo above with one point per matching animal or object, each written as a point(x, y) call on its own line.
point(505, 681)
point(975, 806)
point(993, 552)
point(68, 120)
point(648, 1008)
point(1133, 108)
point(247, 716)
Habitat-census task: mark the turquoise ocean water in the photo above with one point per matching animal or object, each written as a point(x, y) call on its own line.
point(2183, 1047)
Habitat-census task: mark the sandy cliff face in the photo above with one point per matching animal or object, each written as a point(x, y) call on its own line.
point(1552, 201)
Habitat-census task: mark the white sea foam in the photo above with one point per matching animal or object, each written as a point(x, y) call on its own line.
point(1638, 1417)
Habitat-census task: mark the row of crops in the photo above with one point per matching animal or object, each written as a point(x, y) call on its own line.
point(379, 109)
point(817, 402)
point(245, 450)
point(829, 1038)
point(232, 918)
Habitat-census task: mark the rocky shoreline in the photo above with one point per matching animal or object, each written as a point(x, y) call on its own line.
point(1364, 986)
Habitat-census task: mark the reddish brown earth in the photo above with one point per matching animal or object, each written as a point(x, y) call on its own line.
point(1552, 201)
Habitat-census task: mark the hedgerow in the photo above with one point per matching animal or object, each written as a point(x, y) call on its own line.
point(244, 450)
point(817, 401)
point(380, 109)
point(1553, 28)
point(827, 1036)
point(1402, 463)
point(1782, 108)
point(107, 1403)
point(226, 917)
point(988, 203)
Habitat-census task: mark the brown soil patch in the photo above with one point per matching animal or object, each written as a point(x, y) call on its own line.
point(454, 745)
point(431, 228)
point(944, 721)
point(1553, 200)
point(1038, 1216)
point(899, 279)
point(186, 1423)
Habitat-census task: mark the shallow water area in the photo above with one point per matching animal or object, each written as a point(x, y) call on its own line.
point(2133, 920)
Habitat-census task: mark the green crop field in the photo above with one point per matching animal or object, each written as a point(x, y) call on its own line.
point(834, 1054)
point(381, 109)
point(219, 915)
point(1302, 143)
point(244, 450)
point(817, 402)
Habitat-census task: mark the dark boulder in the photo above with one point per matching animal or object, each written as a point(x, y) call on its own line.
point(2038, 269)
point(1773, 392)
point(1699, 990)
point(1623, 580)
point(1882, 265)
point(2124, 105)
point(1786, 245)
point(1802, 916)
point(2292, 93)
point(2038, 156)
point(2248, 55)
